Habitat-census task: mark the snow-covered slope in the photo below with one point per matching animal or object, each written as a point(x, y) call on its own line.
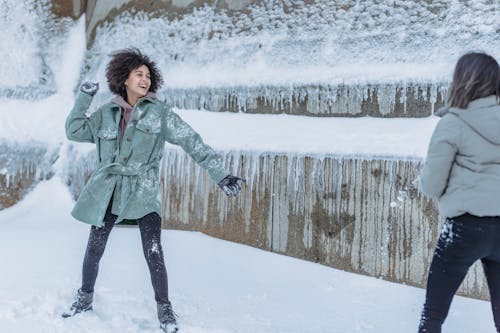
point(215, 286)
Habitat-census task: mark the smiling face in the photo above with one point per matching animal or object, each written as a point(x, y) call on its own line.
point(137, 84)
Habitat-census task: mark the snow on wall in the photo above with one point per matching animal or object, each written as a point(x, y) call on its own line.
point(360, 215)
point(211, 54)
point(385, 100)
point(21, 167)
point(30, 48)
point(78, 162)
point(32, 131)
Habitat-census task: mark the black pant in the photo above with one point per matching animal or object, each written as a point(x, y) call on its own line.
point(464, 240)
point(150, 227)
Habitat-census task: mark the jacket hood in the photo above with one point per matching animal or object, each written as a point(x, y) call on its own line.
point(121, 102)
point(482, 115)
point(118, 100)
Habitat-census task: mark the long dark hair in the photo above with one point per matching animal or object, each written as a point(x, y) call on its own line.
point(476, 75)
point(125, 61)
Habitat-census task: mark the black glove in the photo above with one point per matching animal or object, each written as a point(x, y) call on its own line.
point(231, 185)
point(90, 88)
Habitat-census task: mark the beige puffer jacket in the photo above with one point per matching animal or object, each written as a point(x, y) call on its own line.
point(462, 168)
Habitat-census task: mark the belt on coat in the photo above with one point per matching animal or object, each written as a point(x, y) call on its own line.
point(125, 170)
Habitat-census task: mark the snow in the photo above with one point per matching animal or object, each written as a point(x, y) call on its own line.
point(21, 42)
point(218, 286)
point(215, 286)
point(354, 137)
point(25, 121)
point(258, 73)
point(43, 120)
point(307, 42)
point(374, 137)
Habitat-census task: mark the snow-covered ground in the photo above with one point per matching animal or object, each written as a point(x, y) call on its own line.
point(366, 136)
point(216, 286)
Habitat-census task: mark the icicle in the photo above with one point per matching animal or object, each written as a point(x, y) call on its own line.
point(338, 189)
point(403, 98)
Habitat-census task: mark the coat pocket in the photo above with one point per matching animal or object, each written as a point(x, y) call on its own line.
point(149, 125)
point(146, 138)
point(108, 144)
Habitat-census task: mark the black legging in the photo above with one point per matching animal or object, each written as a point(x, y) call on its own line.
point(150, 227)
point(464, 240)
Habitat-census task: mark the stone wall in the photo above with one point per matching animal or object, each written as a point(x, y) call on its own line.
point(356, 214)
point(376, 100)
point(362, 215)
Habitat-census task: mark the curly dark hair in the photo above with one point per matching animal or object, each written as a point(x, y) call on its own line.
point(125, 61)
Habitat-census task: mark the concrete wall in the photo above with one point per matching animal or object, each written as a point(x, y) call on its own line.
point(69, 8)
point(356, 214)
point(415, 99)
point(99, 12)
point(359, 215)
point(22, 166)
point(382, 100)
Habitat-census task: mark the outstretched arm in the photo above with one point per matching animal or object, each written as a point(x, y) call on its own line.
point(177, 131)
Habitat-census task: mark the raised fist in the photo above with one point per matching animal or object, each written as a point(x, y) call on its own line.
point(90, 88)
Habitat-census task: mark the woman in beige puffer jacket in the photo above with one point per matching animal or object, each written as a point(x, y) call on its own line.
point(462, 172)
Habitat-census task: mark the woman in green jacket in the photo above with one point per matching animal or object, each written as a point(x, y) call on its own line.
point(129, 133)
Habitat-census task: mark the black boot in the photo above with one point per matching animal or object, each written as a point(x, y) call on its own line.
point(83, 303)
point(166, 315)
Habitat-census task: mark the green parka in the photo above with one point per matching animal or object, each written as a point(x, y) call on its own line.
point(130, 169)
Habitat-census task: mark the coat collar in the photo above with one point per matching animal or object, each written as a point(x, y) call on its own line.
point(118, 100)
point(483, 102)
point(479, 103)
